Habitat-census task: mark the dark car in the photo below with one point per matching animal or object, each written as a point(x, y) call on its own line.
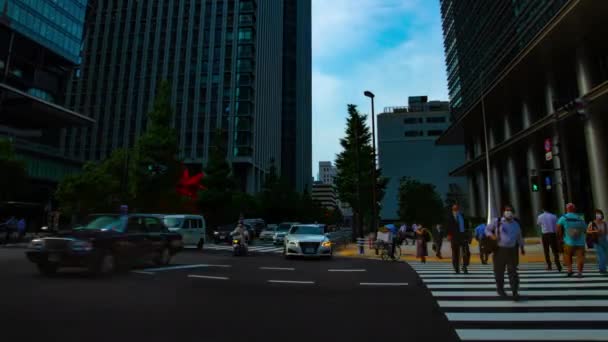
point(257, 224)
point(221, 234)
point(107, 243)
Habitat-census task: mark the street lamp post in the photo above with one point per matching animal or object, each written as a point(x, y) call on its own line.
point(371, 95)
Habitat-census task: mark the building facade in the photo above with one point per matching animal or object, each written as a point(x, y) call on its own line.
point(327, 172)
point(40, 49)
point(406, 148)
point(325, 194)
point(225, 62)
point(528, 82)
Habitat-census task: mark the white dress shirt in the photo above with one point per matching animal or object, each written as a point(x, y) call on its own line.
point(547, 222)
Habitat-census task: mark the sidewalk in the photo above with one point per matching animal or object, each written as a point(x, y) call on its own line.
point(534, 252)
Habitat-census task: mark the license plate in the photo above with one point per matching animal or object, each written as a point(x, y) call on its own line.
point(309, 250)
point(54, 257)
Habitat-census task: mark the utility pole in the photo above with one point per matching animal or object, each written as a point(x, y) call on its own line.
point(374, 177)
point(358, 170)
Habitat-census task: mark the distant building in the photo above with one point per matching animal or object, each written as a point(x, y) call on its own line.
point(327, 172)
point(325, 194)
point(406, 147)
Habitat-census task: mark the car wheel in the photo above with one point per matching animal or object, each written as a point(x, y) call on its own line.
point(200, 243)
point(47, 269)
point(164, 257)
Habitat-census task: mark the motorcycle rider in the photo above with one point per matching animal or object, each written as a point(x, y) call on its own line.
point(241, 234)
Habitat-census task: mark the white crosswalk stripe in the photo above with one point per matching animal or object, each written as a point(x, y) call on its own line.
point(552, 306)
point(252, 248)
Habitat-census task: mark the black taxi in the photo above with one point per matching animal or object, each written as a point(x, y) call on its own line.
point(107, 243)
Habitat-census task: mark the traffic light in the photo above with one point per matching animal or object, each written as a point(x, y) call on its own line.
point(535, 183)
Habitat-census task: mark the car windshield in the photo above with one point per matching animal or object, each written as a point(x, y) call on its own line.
point(308, 230)
point(100, 222)
point(283, 227)
point(173, 222)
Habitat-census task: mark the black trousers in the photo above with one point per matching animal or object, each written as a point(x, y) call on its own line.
point(550, 241)
point(438, 244)
point(506, 257)
point(460, 246)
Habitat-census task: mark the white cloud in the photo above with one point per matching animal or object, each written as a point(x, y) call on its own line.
point(415, 66)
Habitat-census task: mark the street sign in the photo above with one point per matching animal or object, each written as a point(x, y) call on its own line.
point(548, 145)
point(549, 156)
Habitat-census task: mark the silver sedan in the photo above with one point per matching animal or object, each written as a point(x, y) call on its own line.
point(308, 240)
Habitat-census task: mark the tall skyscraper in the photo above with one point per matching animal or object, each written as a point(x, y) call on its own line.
point(40, 44)
point(528, 87)
point(226, 62)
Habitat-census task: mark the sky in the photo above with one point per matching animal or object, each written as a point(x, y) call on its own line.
point(393, 48)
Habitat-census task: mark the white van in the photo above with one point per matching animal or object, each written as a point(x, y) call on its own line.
point(192, 228)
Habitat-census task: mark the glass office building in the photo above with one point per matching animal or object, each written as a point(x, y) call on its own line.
point(538, 71)
point(224, 62)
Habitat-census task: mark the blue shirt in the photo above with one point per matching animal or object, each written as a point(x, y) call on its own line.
point(574, 229)
point(480, 231)
point(460, 220)
point(509, 234)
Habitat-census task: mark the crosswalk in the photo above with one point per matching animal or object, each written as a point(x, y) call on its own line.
point(256, 248)
point(552, 306)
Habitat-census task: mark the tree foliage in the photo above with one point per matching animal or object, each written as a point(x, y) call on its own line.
point(419, 203)
point(13, 174)
point(354, 181)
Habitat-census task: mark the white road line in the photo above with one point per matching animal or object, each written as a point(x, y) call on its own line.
point(493, 286)
point(530, 293)
point(207, 277)
point(278, 268)
point(383, 284)
point(347, 270)
point(290, 282)
point(523, 304)
point(143, 272)
point(531, 272)
point(473, 275)
point(182, 267)
point(533, 334)
point(524, 280)
point(527, 316)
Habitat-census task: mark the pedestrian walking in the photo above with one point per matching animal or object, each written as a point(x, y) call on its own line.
point(480, 236)
point(10, 226)
point(21, 227)
point(402, 233)
point(459, 239)
point(422, 238)
point(572, 228)
point(598, 231)
point(438, 236)
point(548, 225)
point(506, 231)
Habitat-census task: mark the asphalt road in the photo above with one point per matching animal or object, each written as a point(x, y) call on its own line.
point(216, 297)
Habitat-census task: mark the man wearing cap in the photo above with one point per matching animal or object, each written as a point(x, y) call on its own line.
point(571, 228)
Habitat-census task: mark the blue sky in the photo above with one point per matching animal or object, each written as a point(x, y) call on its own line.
point(392, 47)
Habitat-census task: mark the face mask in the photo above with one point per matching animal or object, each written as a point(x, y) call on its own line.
point(599, 216)
point(508, 215)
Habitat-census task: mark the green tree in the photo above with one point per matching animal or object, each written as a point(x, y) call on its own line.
point(155, 168)
point(419, 203)
point(354, 181)
point(216, 201)
point(13, 174)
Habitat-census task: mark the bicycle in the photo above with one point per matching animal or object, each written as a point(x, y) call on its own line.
point(385, 252)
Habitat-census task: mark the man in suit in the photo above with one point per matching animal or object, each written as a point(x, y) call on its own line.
point(459, 240)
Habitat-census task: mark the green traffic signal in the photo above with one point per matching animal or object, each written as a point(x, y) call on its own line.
point(535, 183)
point(535, 187)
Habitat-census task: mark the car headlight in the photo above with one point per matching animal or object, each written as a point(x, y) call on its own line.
point(36, 244)
point(216, 233)
point(326, 244)
point(81, 246)
point(292, 242)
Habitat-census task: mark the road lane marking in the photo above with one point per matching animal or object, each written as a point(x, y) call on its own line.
point(530, 293)
point(490, 272)
point(207, 277)
point(491, 275)
point(528, 286)
point(290, 282)
point(143, 272)
point(278, 268)
point(527, 316)
point(383, 284)
point(533, 334)
point(524, 280)
point(346, 270)
point(523, 304)
point(183, 267)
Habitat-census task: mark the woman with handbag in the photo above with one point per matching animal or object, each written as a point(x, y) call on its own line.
point(597, 235)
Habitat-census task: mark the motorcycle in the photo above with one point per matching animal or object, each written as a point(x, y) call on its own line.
point(238, 248)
